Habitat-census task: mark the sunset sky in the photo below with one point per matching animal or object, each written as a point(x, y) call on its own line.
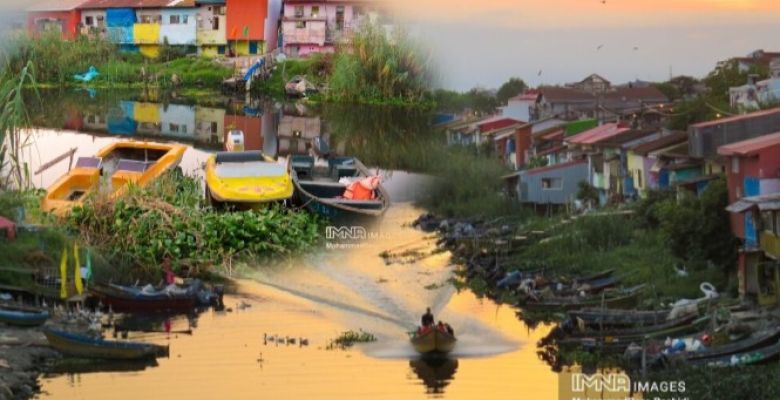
point(482, 43)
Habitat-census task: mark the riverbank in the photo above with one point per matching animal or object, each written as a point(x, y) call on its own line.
point(24, 355)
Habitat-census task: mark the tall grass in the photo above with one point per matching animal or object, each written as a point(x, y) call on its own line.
point(14, 118)
point(377, 67)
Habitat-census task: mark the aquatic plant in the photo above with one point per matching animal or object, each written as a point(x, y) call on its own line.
point(349, 338)
point(168, 219)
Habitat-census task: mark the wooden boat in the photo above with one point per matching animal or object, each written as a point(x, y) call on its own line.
point(22, 316)
point(611, 317)
point(111, 170)
point(758, 339)
point(749, 357)
point(318, 188)
point(626, 298)
point(433, 340)
point(133, 299)
point(76, 345)
point(638, 331)
point(246, 178)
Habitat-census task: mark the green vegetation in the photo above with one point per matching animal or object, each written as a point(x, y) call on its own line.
point(13, 119)
point(55, 61)
point(167, 219)
point(315, 68)
point(477, 100)
point(349, 338)
point(511, 88)
point(746, 382)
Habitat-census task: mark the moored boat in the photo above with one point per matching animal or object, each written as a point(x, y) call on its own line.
point(323, 190)
point(22, 316)
point(77, 345)
point(748, 357)
point(433, 340)
point(246, 178)
point(111, 170)
point(625, 298)
point(147, 299)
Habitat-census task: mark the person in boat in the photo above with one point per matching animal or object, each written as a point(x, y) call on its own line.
point(427, 318)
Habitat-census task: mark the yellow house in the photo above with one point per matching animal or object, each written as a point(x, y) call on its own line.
point(147, 37)
point(209, 125)
point(640, 160)
point(211, 34)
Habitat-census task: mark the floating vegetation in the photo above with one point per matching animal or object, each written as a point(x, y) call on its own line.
point(168, 219)
point(434, 286)
point(349, 338)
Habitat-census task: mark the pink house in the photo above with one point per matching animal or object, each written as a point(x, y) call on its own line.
point(310, 26)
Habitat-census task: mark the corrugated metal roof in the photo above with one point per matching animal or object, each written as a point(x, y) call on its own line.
point(98, 4)
point(750, 146)
point(660, 143)
point(599, 133)
point(737, 118)
point(766, 202)
point(56, 5)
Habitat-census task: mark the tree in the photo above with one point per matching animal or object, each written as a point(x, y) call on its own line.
point(509, 89)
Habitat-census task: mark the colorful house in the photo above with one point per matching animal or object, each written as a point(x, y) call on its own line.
point(758, 267)
point(62, 16)
point(210, 125)
point(179, 24)
point(211, 36)
point(644, 164)
point(318, 26)
point(178, 121)
point(252, 25)
point(705, 138)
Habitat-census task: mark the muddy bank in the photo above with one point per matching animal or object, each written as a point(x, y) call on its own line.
point(24, 355)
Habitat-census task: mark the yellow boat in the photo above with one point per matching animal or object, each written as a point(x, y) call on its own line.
point(433, 340)
point(112, 168)
point(246, 178)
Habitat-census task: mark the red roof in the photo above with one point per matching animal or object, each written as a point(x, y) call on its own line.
point(496, 122)
point(599, 133)
point(91, 4)
point(530, 94)
point(751, 146)
point(737, 118)
point(553, 135)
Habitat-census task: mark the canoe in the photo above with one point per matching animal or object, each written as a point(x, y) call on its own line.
point(246, 178)
point(22, 316)
point(637, 331)
point(625, 298)
point(77, 345)
point(433, 341)
point(318, 189)
point(749, 357)
point(133, 299)
point(111, 169)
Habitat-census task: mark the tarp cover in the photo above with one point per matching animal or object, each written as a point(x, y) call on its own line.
point(120, 17)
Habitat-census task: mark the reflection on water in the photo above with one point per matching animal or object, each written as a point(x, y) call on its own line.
point(436, 373)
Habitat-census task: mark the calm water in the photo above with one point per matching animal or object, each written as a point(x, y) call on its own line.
point(316, 296)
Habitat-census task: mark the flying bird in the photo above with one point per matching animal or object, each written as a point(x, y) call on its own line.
point(599, 47)
point(636, 48)
point(540, 73)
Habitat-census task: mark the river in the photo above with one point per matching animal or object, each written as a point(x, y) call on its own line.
point(237, 353)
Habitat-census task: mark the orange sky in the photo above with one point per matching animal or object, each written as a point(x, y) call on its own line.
point(574, 13)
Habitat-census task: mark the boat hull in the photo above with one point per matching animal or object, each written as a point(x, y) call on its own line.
point(21, 317)
point(82, 346)
point(434, 341)
point(122, 302)
point(230, 179)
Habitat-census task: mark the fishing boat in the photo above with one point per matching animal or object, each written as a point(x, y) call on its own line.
point(110, 171)
point(22, 316)
point(432, 341)
point(706, 353)
point(322, 189)
point(626, 298)
point(77, 345)
point(246, 178)
point(146, 299)
point(635, 331)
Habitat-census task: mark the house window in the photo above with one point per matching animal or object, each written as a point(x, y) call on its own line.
point(89, 21)
point(767, 221)
point(735, 165)
point(639, 179)
point(298, 11)
point(214, 127)
point(300, 24)
point(315, 11)
point(220, 10)
point(174, 128)
point(552, 183)
point(175, 20)
point(215, 24)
